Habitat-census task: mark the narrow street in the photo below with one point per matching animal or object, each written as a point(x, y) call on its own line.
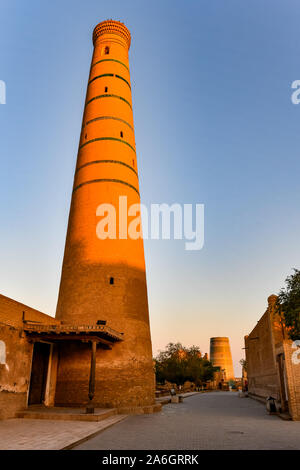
point(216, 420)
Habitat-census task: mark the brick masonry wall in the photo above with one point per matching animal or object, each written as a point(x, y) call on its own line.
point(124, 374)
point(266, 341)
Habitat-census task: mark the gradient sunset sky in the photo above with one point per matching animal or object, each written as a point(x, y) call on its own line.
point(214, 124)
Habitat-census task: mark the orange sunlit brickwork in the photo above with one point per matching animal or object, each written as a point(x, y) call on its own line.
point(105, 279)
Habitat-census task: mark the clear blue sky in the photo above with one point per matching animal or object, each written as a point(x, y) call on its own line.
point(214, 124)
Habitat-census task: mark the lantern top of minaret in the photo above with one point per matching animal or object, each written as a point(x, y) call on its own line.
point(114, 27)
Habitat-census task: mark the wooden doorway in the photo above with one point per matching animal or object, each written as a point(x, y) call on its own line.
point(282, 379)
point(39, 370)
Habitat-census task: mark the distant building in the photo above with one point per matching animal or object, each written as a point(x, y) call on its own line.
point(97, 352)
point(273, 363)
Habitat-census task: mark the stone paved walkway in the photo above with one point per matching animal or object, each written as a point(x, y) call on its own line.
point(40, 434)
point(216, 420)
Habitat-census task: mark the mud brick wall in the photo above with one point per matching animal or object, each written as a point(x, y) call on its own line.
point(293, 376)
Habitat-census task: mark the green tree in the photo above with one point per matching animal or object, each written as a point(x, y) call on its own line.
point(289, 305)
point(177, 364)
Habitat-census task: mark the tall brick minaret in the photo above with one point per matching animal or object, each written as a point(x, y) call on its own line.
point(105, 279)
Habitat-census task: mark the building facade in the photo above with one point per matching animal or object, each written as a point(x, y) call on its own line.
point(32, 346)
point(16, 356)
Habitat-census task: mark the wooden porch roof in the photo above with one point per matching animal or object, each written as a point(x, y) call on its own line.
point(100, 333)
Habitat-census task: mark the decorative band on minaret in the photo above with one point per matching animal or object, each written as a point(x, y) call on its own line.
point(104, 280)
point(112, 27)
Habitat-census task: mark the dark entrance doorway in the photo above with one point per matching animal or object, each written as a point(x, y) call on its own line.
point(39, 371)
point(283, 388)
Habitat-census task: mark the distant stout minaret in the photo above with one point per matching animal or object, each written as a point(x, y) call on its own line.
point(105, 279)
point(220, 355)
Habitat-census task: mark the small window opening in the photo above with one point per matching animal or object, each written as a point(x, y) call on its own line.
point(133, 163)
point(106, 89)
point(121, 134)
point(111, 280)
point(85, 136)
point(106, 50)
